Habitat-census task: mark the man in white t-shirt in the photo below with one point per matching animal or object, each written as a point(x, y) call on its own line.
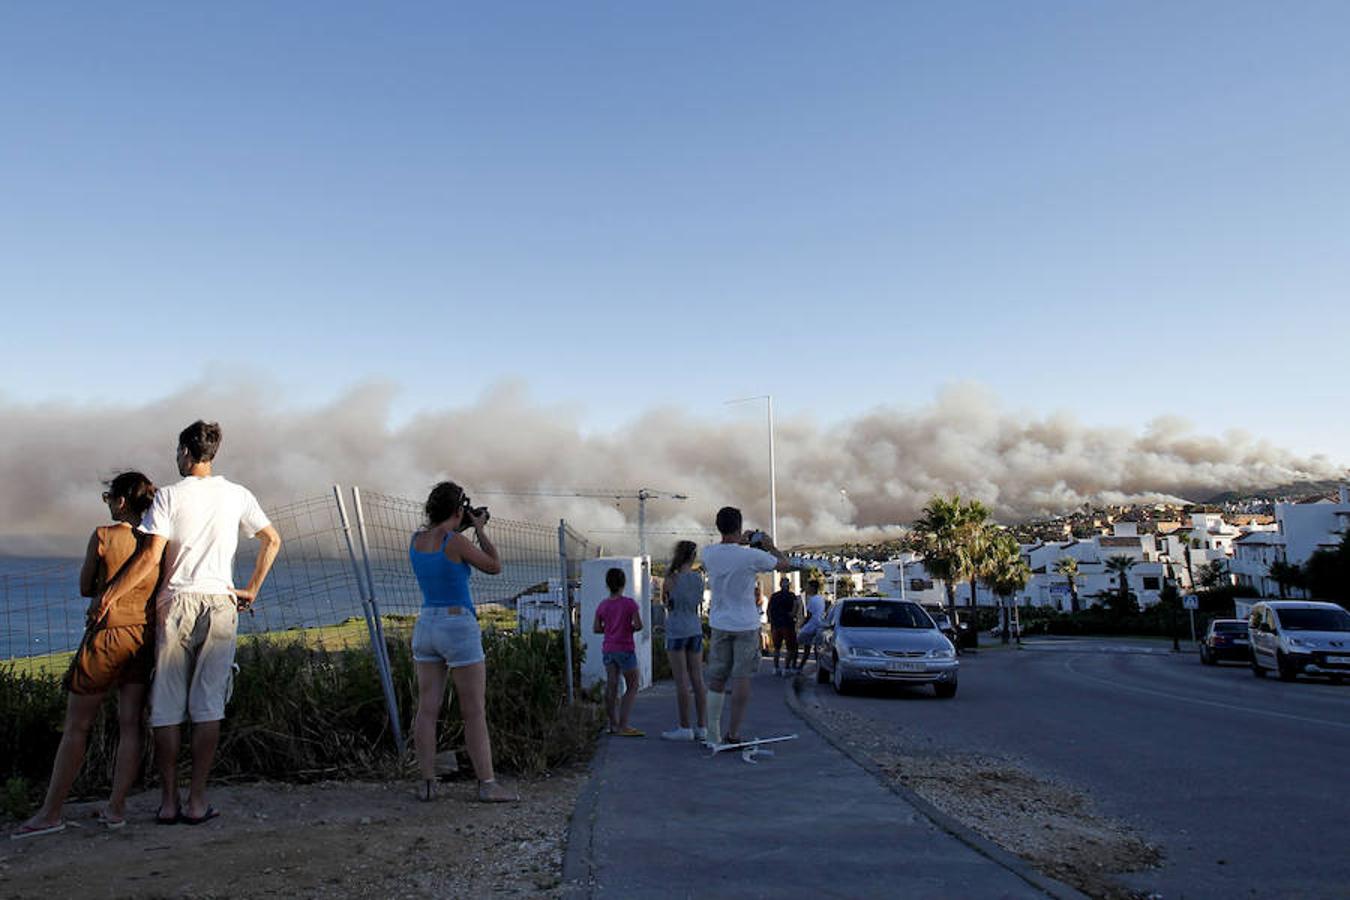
point(195, 525)
point(733, 653)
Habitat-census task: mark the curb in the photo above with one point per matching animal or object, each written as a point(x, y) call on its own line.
point(975, 841)
point(578, 874)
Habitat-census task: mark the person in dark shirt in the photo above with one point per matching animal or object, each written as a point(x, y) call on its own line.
point(783, 624)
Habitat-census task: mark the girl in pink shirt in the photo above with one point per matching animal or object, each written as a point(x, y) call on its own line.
point(617, 618)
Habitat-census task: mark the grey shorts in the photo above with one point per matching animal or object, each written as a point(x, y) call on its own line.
point(449, 635)
point(194, 658)
point(733, 654)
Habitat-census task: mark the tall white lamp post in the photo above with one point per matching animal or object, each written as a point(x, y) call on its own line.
point(773, 484)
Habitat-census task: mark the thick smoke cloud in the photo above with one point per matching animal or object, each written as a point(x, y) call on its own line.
point(857, 480)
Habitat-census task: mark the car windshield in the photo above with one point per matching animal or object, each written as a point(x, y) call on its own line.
point(1230, 627)
point(1314, 619)
point(883, 615)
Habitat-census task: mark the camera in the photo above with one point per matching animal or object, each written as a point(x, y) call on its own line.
point(756, 539)
point(470, 512)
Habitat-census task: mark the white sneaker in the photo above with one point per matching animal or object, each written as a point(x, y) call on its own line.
point(678, 734)
point(701, 734)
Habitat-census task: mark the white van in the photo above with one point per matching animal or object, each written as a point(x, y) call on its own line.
point(1300, 637)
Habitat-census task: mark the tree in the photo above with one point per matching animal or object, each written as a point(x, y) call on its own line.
point(1212, 575)
point(1285, 575)
point(1121, 565)
point(1326, 574)
point(1005, 571)
point(938, 535)
point(979, 537)
point(1068, 567)
point(843, 587)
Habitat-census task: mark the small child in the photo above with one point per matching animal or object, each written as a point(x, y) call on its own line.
point(617, 618)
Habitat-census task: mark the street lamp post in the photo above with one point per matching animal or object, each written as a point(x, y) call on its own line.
point(773, 481)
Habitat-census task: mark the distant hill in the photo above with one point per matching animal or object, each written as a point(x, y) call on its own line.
point(1296, 491)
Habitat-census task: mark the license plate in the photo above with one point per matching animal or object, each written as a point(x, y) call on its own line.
point(1242, 641)
point(905, 666)
point(1339, 660)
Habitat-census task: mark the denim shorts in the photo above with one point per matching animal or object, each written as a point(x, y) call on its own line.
point(692, 644)
point(442, 636)
point(626, 660)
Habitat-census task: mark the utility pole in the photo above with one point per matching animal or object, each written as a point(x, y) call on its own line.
point(773, 477)
point(642, 495)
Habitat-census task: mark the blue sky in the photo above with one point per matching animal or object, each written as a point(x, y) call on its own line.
point(1120, 210)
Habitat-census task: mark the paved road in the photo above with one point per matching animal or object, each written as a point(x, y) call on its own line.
point(1242, 781)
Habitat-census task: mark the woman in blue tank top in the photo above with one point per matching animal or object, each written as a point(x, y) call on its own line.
point(447, 638)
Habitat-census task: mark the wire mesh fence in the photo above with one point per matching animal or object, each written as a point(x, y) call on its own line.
point(531, 566)
point(315, 590)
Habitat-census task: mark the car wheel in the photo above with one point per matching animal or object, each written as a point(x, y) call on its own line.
point(944, 691)
point(1285, 667)
point(1256, 668)
point(1205, 658)
point(837, 677)
point(822, 675)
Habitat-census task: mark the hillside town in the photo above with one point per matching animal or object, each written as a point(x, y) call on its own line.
point(1256, 554)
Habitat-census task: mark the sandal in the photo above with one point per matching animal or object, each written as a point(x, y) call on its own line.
point(31, 831)
point(109, 822)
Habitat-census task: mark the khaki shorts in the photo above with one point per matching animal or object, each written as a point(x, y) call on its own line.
point(112, 657)
point(194, 659)
point(733, 654)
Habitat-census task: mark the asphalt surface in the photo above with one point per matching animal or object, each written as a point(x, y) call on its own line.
point(664, 819)
point(1242, 781)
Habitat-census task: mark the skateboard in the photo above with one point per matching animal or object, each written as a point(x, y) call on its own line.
point(751, 750)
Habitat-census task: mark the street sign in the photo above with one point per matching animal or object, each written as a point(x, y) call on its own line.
point(1190, 602)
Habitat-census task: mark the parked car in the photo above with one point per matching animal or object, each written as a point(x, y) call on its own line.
point(885, 639)
point(1300, 637)
point(1225, 639)
point(943, 623)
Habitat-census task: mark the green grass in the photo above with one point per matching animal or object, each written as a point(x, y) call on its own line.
point(308, 705)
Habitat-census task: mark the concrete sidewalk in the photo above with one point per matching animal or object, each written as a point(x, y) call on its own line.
point(662, 819)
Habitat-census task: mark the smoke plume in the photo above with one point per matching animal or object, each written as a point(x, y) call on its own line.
point(857, 480)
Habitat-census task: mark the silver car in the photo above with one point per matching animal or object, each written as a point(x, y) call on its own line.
point(880, 639)
point(1300, 637)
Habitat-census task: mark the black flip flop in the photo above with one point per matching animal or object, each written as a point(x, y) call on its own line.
point(197, 820)
point(170, 820)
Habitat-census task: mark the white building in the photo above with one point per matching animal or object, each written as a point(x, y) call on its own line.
point(906, 576)
point(1301, 529)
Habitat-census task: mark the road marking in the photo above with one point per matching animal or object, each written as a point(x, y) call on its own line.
point(1068, 664)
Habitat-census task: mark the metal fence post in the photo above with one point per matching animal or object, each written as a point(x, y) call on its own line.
point(381, 651)
point(567, 607)
point(356, 566)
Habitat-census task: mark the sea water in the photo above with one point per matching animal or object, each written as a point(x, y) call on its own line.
point(41, 610)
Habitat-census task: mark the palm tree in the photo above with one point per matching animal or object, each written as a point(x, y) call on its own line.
point(938, 535)
point(1005, 572)
point(1068, 567)
point(1285, 575)
point(1121, 565)
point(979, 542)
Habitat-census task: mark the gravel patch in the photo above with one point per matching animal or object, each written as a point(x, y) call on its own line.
point(333, 840)
point(1051, 825)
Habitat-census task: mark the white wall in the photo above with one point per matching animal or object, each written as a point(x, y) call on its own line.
point(593, 591)
point(1306, 526)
